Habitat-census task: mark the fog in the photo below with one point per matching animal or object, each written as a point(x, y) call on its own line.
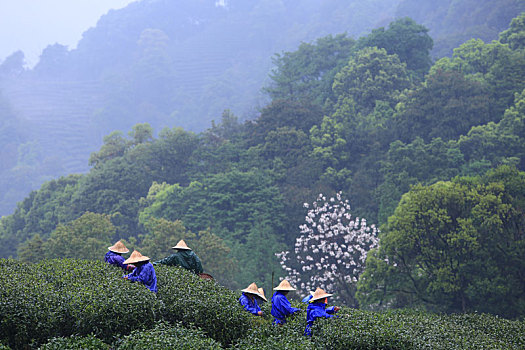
point(169, 63)
point(31, 25)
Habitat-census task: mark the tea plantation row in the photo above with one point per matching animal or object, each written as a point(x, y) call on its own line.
point(76, 304)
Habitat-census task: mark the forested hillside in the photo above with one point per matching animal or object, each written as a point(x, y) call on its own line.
point(359, 135)
point(181, 63)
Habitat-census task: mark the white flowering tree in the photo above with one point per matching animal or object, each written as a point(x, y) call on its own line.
point(331, 251)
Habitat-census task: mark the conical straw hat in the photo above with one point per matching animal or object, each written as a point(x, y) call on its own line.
point(320, 294)
point(181, 245)
point(261, 294)
point(252, 289)
point(284, 285)
point(119, 247)
point(136, 257)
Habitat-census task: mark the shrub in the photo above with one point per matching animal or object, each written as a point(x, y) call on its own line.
point(164, 336)
point(89, 342)
point(417, 330)
point(57, 298)
point(84, 304)
point(360, 330)
point(288, 336)
point(205, 304)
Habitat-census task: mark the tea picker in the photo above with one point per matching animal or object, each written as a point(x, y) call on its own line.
point(144, 271)
point(114, 256)
point(183, 257)
point(317, 309)
point(248, 300)
point(281, 307)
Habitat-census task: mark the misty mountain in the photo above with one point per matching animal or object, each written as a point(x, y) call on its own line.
point(181, 63)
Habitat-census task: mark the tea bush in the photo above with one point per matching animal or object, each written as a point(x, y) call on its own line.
point(274, 337)
point(193, 301)
point(87, 304)
point(165, 337)
point(407, 329)
point(75, 342)
point(288, 336)
point(57, 298)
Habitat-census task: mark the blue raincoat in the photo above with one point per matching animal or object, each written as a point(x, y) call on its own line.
point(281, 308)
point(113, 258)
point(315, 310)
point(307, 298)
point(144, 274)
point(249, 305)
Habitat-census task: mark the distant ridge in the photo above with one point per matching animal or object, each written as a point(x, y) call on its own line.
point(61, 115)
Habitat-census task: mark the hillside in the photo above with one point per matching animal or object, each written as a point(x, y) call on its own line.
point(60, 304)
point(374, 171)
point(181, 63)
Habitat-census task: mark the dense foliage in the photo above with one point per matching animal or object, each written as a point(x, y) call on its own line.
point(182, 63)
point(455, 246)
point(59, 298)
point(73, 304)
point(419, 155)
point(417, 330)
point(89, 342)
point(207, 305)
point(163, 336)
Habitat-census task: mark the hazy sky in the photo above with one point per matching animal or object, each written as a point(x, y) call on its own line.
point(31, 25)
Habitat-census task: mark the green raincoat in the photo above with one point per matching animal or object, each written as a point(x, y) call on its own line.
point(183, 258)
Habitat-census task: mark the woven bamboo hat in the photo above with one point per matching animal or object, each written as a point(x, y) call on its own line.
point(119, 247)
point(285, 286)
point(320, 294)
point(261, 294)
point(136, 257)
point(252, 289)
point(181, 245)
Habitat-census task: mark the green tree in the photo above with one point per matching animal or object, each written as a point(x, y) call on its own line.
point(257, 255)
point(455, 246)
point(515, 35)
point(301, 115)
point(498, 143)
point(230, 205)
point(39, 213)
point(87, 237)
point(307, 73)
point(413, 163)
point(216, 257)
point(372, 75)
point(353, 139)
point(161, 235)
point(367, 89)
point(31, 250)
point(447, 105)
point(115, 186)
point(141, 133)
point(114, 146)
point(171, 156)
point(496, 64)
point(405, 38)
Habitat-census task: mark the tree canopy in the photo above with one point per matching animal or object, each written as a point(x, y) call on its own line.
point(436, 161)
